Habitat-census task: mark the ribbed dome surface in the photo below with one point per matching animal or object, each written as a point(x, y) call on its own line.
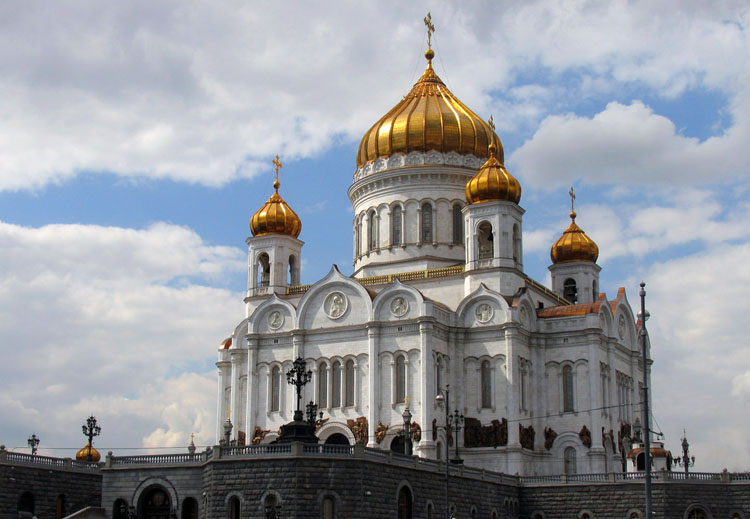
point(492, 183)
point(429, 118)
point(574, 245)
point(83, 454)
point(275, 217)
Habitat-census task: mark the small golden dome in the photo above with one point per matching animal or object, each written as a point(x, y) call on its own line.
point(83, 454)
point(275, 217)
point(493, 182)
point(428, 118)
point(574, 245)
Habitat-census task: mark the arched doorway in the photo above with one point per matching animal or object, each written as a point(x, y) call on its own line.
point(154, 504)
point(189, 508)
point(60, 507)
point(337, 439)
point(26, 504)
point(120, 509)
point(398, 445)
point(404, 503)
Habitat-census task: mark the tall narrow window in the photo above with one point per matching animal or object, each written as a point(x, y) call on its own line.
point(396, 224)
point(336, 380)
point(438, 375)
point(263, 271)
point(400, 379)
point(594, 290)
point(426, 223)
point(60, 507)
point(328, 510)
point(458, 225)
point(358, 237)
point(485, 241)
point(570, 290)
point(404, 503)
point(292, 280)
point(234, 507)
point(323, 385)
point(486, 375)
point(523, 388)
point(516, 244)
point(349, 383)
point(372, 231)
point(567, 375)
point(570, 460)
point(275, 388)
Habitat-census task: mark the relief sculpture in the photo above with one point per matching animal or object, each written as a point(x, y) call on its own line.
point(241, 438)
point(623, 437)
point(585, 435)
point(381, 431)
point(258, 435)
point(493, 435)
point(549, 437)
point(360, 429)
point(526, 436)
point(416, 432)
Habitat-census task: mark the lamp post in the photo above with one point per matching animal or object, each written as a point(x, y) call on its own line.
point(33, 442)
point(644, 315)
point(228, 430)
point(312, 410)
point(406, 415)
point(90, 430)
point(456, 421)
point(298, 376)
point(686, 460)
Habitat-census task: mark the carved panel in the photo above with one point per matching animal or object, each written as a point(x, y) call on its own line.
point(549, 437)
point(526, 436)
point(493, 435)
point(381, 431)
point(585, 435)
point(360, 429)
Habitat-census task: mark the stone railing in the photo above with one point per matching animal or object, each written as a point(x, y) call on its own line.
point(156, 459)
point(21, 458)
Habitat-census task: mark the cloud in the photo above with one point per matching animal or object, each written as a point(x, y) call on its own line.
point(121, 323)
point(628, 144)
point(741, 385)
point(206, 94)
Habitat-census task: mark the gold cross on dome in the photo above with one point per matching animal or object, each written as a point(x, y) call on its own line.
point(572, 194)
point(430, 29)
point(278, 164)
point(491, 122)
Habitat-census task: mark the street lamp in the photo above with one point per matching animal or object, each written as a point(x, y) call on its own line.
point(33, 442)
point(442, 399)
point(686, 460)
point(406, 415)
point(644, 315)
point(298, 376)
point(228, 430)
point(90, 430)
point(457, 421)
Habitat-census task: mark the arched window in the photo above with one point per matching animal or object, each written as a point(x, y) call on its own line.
point(263, 271)
point(430, 510)
point(60, 507)
point(570, 290)
point(473, 512)
point(336, 379)
point(349, 383)
point(293, 272)
point(486, 376)
point(328, 509)
point(275, 388)
point(26, 503)
point(570, 460)
point(272, 506)
point(439, 451)
point(120, 509)
point(404, 503)
point(400, 379)
point(372, 231)
point(568, 389)
point(438, 375)
point(358, 237)
point(516, 244)
point(398, 444)
point(594, 290)
point(485, 241)
point(323, 385)
point(189, 508)
point(426, 233)
point(458, 225)
point(396, 225)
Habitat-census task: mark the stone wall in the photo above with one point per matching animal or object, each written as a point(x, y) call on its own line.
point(79, 488)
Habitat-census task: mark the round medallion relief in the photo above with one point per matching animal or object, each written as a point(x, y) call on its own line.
point(335, 305)
point(399, 306)
point(483, 313)
point(275, 320)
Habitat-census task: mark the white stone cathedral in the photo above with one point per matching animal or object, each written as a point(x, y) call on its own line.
point(547, 379)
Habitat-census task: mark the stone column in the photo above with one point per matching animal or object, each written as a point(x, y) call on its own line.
point(514, 380)
point(251, 405)
point(373, 383)
point(224, 370)
point(426, 387)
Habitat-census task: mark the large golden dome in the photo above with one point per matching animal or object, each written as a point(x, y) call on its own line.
point(574, 245)
point(428, 118)
point(275, 217)
point(493, 182)
point(83, 454)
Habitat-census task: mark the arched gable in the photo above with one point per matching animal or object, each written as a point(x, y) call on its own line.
point(606, 317)
point(523, 311)
point(471, 311)
point(335, 300)
point(328, 429)
point(398, 301)
point(272, 316)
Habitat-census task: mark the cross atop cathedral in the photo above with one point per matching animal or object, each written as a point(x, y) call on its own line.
point(430, 29)
point(572, 194)
point(278, 164)
point(491, 122)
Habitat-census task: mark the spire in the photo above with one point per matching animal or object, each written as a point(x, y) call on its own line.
point(429, 53)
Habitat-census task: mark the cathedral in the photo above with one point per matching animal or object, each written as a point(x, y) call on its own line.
point(439, 317)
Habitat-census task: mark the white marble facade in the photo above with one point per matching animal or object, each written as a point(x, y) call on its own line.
point(465, 314)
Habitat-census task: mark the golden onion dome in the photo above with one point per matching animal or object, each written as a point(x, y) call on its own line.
point(493, 182)
point(275, 217)
point(428, 118)
point(574, 245)
point(83, 454)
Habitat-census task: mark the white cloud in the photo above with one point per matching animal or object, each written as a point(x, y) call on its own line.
point(103, 320)
point(741, 385)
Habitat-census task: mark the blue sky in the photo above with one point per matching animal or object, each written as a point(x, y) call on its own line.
point(136, 142)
